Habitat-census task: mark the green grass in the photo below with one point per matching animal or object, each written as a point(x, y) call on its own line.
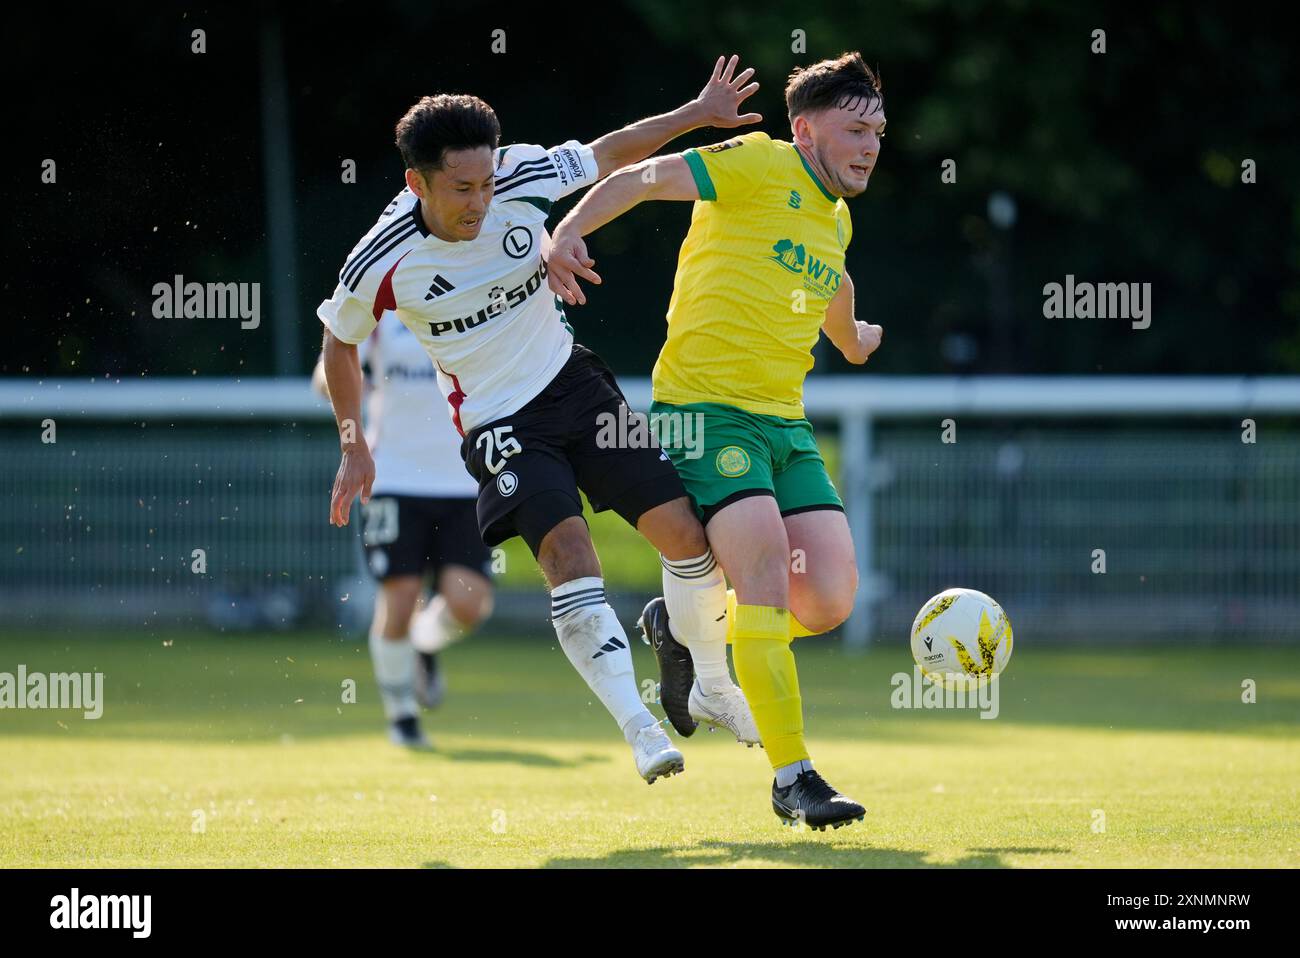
point(252, 733)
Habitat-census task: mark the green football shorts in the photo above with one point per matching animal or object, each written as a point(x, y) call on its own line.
point(724, 454)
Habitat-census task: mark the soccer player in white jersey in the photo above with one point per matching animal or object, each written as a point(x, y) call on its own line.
point(419, 522)
point(458, 256)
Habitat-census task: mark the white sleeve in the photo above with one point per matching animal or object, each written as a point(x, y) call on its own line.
point(525, 169)
point(348, 317)
point(351, 313)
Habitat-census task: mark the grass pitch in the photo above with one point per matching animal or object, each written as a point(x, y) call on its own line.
point(239, 751)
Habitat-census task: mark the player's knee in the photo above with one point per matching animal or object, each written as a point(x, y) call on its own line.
point(470, 602)
point(468, 595)
point(829, 608)
point(674, 530)
point(823, 618)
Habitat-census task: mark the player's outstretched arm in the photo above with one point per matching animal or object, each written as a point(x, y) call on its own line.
point(356, 468)
point(852, 337)
point(717, 105)
point(660, 178)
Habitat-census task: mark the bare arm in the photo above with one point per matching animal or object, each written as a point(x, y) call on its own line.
point(717, 105)
point(318, 385)
point(356, 469)
point(661, 178)
point(855, 339)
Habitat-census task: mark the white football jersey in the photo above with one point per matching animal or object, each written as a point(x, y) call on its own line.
point(480, 308)
point(416, 450)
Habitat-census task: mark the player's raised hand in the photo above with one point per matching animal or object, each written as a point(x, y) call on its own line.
point(356, 475)
point(719, 102)
point(567, 262)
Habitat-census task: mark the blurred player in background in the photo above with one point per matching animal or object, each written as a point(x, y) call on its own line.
point(418, 525)
point(761, 271)
point(458, 257)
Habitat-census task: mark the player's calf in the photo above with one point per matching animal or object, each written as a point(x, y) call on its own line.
point(688, 627)
point(595, 644)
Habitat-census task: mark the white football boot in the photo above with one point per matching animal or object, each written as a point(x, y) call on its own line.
point(725, 707)
point(655, 754)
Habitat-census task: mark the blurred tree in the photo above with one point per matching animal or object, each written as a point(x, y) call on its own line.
point(1125, 166)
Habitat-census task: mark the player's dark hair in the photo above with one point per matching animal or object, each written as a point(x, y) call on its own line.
point(845, 82)
point(448, 121)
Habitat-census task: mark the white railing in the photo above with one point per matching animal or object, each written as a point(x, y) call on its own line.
point(855, 402)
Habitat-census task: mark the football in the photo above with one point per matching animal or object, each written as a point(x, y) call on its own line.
point(961, 632)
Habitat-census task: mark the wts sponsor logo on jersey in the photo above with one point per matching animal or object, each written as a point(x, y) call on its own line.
point(818, 277)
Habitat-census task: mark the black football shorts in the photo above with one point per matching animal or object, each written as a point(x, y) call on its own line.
point(531, 463)
point(412, 535)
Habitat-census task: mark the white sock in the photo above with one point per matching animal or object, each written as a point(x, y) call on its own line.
point(786, 774)
point(434, 627)
point(394, 662)
point(596, 645)
point(696, 595)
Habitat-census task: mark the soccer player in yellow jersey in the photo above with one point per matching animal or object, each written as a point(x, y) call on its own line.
point(760, 273)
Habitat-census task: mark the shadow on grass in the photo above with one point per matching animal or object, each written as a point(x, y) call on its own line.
point(501, 756)
point(812, 852)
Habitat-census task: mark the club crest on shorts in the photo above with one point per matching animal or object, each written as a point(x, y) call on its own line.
point(507, 483)
point(732, 461)
point(379, 562)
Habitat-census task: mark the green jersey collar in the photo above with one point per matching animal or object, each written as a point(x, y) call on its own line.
point(804, 160)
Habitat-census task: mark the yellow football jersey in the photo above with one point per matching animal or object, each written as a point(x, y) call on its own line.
point(763, 257)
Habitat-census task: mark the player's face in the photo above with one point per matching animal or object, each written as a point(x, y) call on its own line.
point(456, 198)
point(846, 143)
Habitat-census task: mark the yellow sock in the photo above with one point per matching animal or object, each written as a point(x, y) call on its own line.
point(797, 629)
point(765, 668)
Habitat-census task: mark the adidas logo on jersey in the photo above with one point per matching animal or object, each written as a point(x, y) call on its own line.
point(610, 646)
point(499, 301)
point(438, 287)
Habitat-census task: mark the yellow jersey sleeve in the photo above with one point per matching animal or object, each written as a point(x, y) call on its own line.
point(732, 170)
point(845, 222)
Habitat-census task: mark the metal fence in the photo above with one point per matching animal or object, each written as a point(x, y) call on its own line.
point(217, 521)
point(1153, 532)
point(1047, 483)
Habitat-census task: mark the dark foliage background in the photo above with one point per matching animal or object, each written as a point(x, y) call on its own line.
point(1124, 167)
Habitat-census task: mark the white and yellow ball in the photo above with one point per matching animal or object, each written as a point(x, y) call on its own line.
point(961, 632)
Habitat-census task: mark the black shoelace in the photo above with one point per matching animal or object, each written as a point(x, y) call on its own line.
point(816, 787)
